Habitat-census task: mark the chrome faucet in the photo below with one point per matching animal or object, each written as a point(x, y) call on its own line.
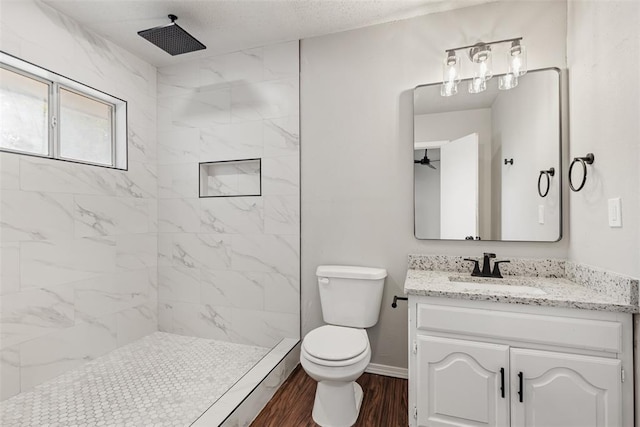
point(486, 266)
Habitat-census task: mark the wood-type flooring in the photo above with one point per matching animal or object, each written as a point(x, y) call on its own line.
point(384, 403)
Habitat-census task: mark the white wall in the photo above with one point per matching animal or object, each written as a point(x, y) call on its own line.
point(230, 266)
point(603, 62)
point(603, 59)
point(449, 126)
point(532, 141)
point(427, 195)
point(357, 127)
point(78, 243)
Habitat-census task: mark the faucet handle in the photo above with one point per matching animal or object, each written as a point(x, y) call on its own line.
point(476, 266)
point(496, 269)
point(489, 255)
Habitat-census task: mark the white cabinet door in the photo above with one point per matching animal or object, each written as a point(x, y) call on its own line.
point(564, 390)
point(461, 383)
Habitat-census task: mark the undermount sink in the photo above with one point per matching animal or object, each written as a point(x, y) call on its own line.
point(494, 284)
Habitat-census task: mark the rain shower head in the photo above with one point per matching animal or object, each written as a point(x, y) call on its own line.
point(172, 38)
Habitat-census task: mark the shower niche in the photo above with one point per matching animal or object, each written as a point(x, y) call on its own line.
point(231, 178)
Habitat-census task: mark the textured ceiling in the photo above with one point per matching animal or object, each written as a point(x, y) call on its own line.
point(231, 25)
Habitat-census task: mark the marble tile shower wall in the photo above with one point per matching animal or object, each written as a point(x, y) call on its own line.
point(229, 266)
point(78, 244)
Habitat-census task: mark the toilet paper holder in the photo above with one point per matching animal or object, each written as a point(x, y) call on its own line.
point(394, 304)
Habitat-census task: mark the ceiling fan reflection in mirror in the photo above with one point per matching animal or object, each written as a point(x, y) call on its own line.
point(426, 160)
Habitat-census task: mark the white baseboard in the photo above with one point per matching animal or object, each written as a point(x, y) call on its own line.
point(389, 371)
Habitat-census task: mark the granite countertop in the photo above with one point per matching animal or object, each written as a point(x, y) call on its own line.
point(541, 291)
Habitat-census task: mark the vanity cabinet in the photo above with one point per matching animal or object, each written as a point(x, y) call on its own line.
point(475, 363)
point(565, 389)
point(450, 372)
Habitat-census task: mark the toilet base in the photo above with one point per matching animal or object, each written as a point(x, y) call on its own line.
point(337, 404)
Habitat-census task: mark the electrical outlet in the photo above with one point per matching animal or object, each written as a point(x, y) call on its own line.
point(615, 212)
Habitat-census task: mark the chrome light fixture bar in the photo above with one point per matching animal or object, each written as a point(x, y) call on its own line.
point(480, 56)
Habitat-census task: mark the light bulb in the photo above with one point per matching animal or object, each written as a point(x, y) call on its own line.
point(480, 56)
point(508, 81)
point(451, 68)
point(477, 85)
point(483, 71)
point(449, 89)
point(517, 58)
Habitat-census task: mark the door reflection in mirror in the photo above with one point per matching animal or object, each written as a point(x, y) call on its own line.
point(462, 184)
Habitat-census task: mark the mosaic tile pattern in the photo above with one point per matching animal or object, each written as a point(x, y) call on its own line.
point(160, 380)
point(244, 401)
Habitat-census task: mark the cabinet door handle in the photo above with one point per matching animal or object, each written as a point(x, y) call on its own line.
point(502, 382)
point(520, 381)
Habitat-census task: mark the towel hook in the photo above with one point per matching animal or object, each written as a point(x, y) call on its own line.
point(584, 161)
point(547, 174)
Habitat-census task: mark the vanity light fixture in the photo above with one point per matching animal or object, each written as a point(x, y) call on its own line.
point(451, 74)
point(477, 85)
point(517, 60)
point(480, 55)
point(508, 81)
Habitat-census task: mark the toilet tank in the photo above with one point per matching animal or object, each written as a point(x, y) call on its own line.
point(349, 295)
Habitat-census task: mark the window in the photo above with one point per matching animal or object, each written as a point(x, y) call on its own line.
point(24, 108)
point(46, 114)
point(85, 119)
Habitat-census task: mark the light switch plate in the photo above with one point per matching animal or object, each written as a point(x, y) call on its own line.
point(540, 214)
point(615, 212)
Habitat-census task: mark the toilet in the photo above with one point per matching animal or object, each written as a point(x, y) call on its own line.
point(337, 354)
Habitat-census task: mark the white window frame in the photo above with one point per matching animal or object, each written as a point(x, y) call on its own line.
point(55, 82)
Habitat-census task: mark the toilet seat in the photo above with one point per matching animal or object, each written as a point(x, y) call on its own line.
point(335, 345)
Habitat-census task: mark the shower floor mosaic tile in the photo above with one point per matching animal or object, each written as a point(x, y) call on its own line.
point(160, 380)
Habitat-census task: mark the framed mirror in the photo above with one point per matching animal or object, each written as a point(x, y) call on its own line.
point(487, 166)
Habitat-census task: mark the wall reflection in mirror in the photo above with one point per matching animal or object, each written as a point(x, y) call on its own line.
point(482, 162)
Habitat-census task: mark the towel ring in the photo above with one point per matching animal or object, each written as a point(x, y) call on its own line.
point(584, 161)
point(547, 173)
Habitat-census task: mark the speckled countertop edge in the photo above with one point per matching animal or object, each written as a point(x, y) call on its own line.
point(602, 281)
point(566, 284)
point(515, 266)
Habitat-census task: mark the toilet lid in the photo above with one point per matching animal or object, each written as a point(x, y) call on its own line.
point(335, 342)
